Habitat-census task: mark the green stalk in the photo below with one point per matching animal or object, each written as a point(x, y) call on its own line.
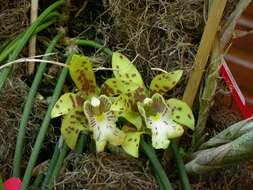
point(159, 182)
point(81, 143)
point(157, 167)
point(37, 181)
point(91, 43)
point(55, 160)
point(52, 164)
point(44, 127)
point(1, 183)
point(28, 107)
point(180, 166)
point(57, 168)
point(28, 34)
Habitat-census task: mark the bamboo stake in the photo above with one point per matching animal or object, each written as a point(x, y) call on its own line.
point(32, 44)
point(204, 50)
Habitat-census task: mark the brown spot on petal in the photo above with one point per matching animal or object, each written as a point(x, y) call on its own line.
point(178, 117)
point(189, 116)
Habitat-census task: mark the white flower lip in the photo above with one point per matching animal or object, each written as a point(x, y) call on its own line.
point(95, 102)
point(147, 100)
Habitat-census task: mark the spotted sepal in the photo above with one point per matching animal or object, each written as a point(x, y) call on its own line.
point(72, 124)
point(81, 72)
point(66, 103)
point(116, 86)
point(164, 82)
point(181, 112)
point(131, 143)
point(124, 69)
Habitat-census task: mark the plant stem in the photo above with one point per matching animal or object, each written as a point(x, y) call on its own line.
point(28, 107)
point(180, 166)
point(52, 164)
point(150, 152)
point(57, 168)
point(159, 182)
point(81, 143)
point(28, 34)
point(44, 126)
point(37, 181)
point(91, 43)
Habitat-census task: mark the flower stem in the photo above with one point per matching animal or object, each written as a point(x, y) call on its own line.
point(58, 165)
point(180, 166)
point(81, 143)
point(91, 43)
point(52, 164)
point(150, 152)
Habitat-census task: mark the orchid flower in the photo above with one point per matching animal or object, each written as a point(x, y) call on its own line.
point(103, 122)
point(164, 119)
point(85, 111)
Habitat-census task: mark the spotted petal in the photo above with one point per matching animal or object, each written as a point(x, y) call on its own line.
point(81, 72)
point(122, 106)
point(103, 122)
point(66, 103)
point(181, 112)
point(164, 82)
point(116, 86)
point(123, 68)
point(157, 117)
point(131, 143)
point(73, 123)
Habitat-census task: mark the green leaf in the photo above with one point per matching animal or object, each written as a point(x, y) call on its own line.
point(157, 118)
point(81, 72)
point(131, 143)
point(181, 112)
point(72, 124)
point(103, 122)
point(66, 103)
point(164, 82)
point(115, 86)
point(124, 69)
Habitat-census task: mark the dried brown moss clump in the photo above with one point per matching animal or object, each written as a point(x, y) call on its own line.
point(13, 17)
point(106, 172)
point(161, 34)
